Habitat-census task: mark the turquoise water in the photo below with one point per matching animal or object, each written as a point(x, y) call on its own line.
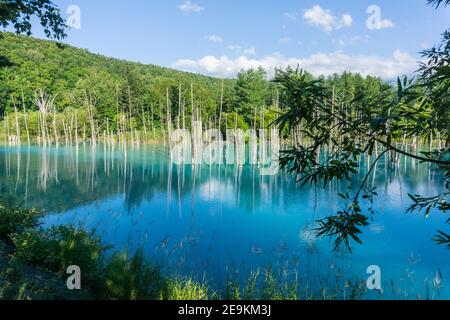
point(202, 221)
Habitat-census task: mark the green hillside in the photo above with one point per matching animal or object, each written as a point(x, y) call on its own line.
point(31, 64)
point(93, 93)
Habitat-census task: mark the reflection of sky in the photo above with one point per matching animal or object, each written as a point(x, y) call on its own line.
point(376, 228)
point(227, 217)
point(218, 191)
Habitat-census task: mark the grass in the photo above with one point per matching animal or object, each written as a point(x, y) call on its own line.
point(33, 264)
point(271, 284)
point(132, 278)
point(187, 289)
point(57, 248)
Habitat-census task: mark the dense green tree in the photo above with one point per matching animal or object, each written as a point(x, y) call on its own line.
point(250, 93)
point(131, 91)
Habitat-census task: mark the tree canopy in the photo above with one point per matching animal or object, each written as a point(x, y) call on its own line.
point(18, 13)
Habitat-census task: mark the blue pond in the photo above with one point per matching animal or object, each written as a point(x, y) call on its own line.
point(203, 221)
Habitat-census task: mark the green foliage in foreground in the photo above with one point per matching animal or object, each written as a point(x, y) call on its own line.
point(438, 3)
point(419, 111)
point(34, 266)
point(58, 248)
point(132, 278)
point(18, 13)
point(16, 221)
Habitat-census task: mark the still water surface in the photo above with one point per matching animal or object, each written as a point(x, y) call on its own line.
point(201, 221)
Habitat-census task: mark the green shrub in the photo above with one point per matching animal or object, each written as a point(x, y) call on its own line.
point(17, 220)
point(19, 281)
point(133, 278)
point(59, 247)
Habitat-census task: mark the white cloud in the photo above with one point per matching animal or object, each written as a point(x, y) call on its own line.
point(374, 22)
point(318, 64)
point(215, 38)
point(347, 20)
point(385, 24)
point(348, 40)
point(316, 16)
point(189, 7)
point(285, 40)
point(238, 49)
point(291, 15)
point(340, 42)
point(250, 51)
point(234, 47)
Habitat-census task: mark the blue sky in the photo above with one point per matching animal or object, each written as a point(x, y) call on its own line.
point(221, 37)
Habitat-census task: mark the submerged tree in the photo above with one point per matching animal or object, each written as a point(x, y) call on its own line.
point(368, 125)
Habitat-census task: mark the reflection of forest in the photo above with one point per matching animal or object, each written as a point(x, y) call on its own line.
point(59, 179)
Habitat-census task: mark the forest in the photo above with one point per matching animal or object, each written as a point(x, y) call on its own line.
point(111, 95)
